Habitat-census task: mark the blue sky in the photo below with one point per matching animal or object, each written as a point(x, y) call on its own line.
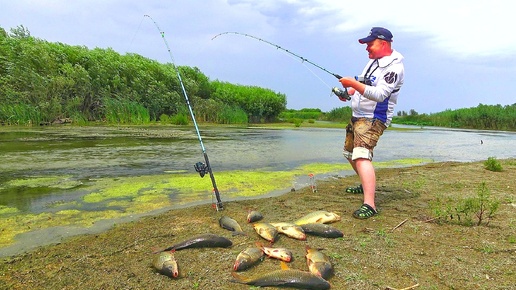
point(458, 53)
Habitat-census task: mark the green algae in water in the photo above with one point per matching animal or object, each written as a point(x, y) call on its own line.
point(141, 194)
point(8, 210)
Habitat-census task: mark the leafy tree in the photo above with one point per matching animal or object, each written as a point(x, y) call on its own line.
point(61, 81)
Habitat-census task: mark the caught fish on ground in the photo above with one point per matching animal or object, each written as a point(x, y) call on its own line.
point(201, 241)
point(318, 263)
point(248, 258)
point(290, 230)
point(284, 278)
point(282, 254)
point(322, 230)
point(165, 263)
point(232, 225)
point(266, 231)
point(320, 216)
point(254, 216)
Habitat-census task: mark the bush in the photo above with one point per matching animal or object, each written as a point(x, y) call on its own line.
point(464, 211)
point(179, 119)
point(492, 164)
point(164, 118)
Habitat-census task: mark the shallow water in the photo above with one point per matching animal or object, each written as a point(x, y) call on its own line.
point(80, 156)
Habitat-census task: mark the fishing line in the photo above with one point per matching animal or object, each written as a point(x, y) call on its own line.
point(138, 29)
point(201, 168)
point(317, 76)
point(342, 93)
point(310, 70)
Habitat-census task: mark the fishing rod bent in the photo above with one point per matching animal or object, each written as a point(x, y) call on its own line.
point(281, 48)
point(199, 166)
point(342, 93)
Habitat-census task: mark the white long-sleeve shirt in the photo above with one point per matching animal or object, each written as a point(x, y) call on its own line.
point(386, 75)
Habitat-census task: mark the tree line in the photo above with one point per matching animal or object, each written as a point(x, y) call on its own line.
point(41, 82)
point(483, 117)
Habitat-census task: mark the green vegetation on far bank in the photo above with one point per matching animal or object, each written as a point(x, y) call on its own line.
point(43, 83)
point(482, 117)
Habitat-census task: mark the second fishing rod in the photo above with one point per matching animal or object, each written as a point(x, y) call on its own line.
point(200, 167)
point(341, 93)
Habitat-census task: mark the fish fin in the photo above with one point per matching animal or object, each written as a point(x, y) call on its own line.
point(238, 278)
point(284, 265)
point(237, 233)
point(156, 250)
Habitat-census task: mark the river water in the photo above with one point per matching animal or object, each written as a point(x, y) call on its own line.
point(94, 152)
point(86, 153)
point(111, 151)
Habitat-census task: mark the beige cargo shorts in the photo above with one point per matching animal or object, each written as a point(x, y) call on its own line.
point(362, 134)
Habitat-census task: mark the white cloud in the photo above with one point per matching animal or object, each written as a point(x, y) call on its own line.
point(461, 28)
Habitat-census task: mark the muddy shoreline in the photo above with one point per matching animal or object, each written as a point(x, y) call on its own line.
point(373, 254)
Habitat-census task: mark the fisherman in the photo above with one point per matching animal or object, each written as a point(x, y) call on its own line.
point(373, 96)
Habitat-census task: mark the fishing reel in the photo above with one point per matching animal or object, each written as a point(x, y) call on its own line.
point(201, 168)
point(341, 93)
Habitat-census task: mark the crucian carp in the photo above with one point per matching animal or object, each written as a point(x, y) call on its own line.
point(254, 216)
point(322, 230)
point(166, 264)
point(232, 225)
point(320, 216)
point(201, 241)
point(290, 230)
point(318, 263)
point(282, 254)
point(248, 258)
point(285, 278)
point(266, 231)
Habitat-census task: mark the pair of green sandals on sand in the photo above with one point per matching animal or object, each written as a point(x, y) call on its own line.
point(365, 211)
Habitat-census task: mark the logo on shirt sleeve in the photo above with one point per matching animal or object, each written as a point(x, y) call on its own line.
point(390, 77)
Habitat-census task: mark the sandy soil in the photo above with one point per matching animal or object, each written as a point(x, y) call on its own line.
point(406, 245)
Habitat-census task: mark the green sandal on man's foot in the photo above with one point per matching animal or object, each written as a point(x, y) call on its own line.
point(365, 212)
point(357, 189)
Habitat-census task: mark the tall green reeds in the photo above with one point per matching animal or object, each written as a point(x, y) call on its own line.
point(231, 115)
point(125, 112)
point(342, 114)
point(20, 114)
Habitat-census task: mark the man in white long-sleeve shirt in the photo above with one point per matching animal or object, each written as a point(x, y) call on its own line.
point(373, 96)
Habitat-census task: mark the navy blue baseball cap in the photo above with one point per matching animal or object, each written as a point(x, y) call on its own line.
point(377, 33)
